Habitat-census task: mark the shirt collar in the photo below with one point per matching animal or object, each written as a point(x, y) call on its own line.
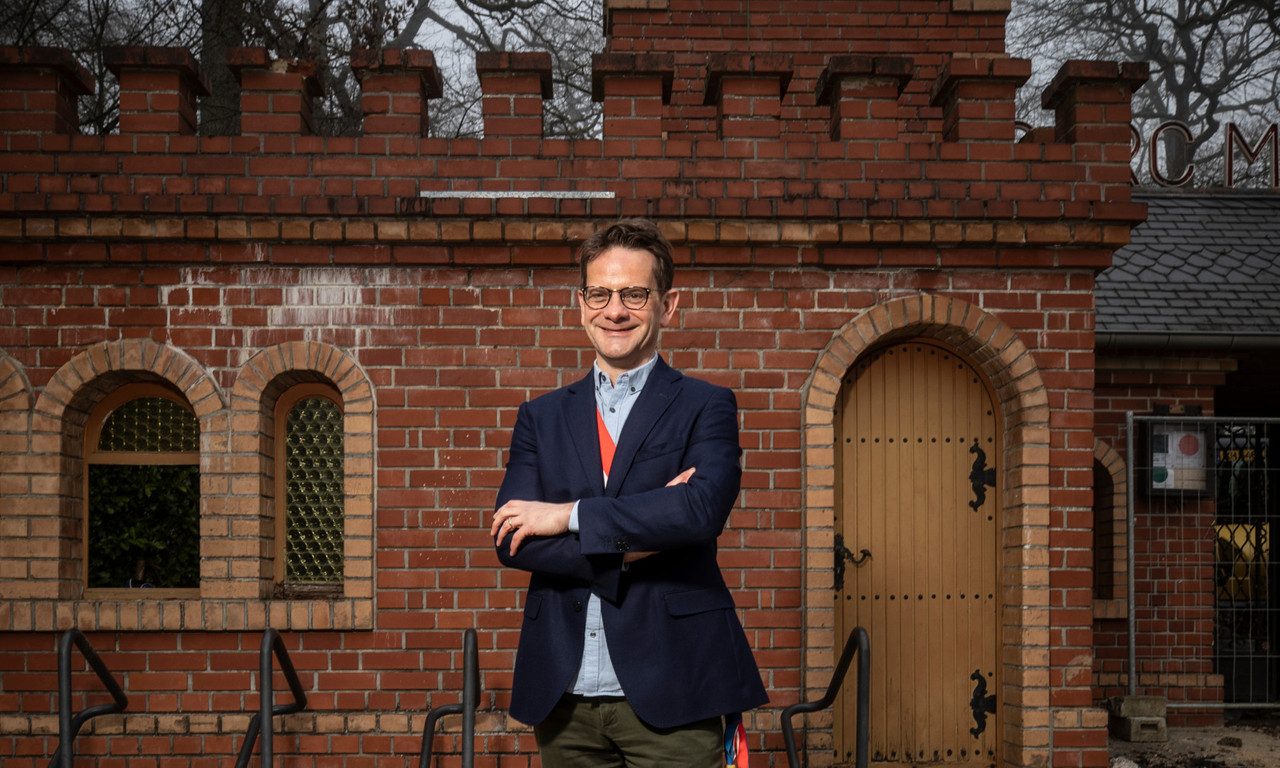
point(634, 379)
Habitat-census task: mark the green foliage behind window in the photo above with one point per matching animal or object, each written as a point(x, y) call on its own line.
point(144, 526)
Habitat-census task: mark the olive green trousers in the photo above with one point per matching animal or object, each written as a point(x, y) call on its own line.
point(605, 733)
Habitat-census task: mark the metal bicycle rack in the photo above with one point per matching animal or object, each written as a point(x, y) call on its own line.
point(466, 708)
point(858, 643)
point(68, 725)
point(273, 648)
point(272, 645)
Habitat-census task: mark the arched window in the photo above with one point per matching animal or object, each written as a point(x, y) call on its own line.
point(1110, 533)
point(309, 472)
point(142, 492)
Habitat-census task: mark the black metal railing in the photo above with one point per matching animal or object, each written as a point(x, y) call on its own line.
point(69, 725)
point(858, 643)
point(467, 707)
point(272, 645)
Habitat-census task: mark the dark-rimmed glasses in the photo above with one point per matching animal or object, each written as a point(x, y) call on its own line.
point(598, 297)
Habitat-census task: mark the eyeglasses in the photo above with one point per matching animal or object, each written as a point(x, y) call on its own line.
point(597, 297)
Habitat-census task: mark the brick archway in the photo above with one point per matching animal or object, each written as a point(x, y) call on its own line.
point(15, 408)
point(57, 432)
point(15, 487)
point(1021, 396)
point(15, 390)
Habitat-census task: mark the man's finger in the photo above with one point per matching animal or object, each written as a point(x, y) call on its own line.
point(683, 477)
point(503, 515)
point(517, 539)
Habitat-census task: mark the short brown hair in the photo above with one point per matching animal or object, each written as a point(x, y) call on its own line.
point(640, 234)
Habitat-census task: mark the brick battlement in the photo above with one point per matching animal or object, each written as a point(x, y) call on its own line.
point(869, 162)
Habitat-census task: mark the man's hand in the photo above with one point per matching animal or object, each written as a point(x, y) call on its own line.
point(539, 518)
point(529, 518)
point(683, 477)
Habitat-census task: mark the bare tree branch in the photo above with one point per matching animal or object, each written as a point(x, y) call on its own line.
point(1212, 61)
point(326, 32)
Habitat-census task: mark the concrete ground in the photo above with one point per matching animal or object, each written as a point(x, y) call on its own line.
point(1248, 741)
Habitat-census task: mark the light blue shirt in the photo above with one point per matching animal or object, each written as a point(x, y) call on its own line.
point(596, 676)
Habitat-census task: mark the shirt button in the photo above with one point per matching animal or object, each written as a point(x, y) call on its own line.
point(593, 634)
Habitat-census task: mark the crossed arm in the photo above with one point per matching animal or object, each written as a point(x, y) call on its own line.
point(522, 519)
point(531, 524)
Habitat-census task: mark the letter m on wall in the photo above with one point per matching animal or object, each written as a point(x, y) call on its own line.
point(1236, 139)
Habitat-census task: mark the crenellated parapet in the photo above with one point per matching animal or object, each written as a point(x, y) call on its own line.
point(514, 87)
point(41, 87)
point(396, 86)
point(976, 95)
point(276, 95)
point(633, 90)
point(747, 92)
point(888, 173)
point(159, 89)
point(863, 93)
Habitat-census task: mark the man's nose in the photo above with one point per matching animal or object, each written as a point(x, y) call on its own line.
point(615, 307)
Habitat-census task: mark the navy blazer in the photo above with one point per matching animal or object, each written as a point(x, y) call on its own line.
point(674, 637)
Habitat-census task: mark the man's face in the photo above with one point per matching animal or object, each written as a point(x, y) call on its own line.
point(625, 338)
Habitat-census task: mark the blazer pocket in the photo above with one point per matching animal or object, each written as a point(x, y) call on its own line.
point(532, 605)
point(655, 451)
point(698, 601)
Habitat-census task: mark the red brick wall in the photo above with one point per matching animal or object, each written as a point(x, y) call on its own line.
point(809, 199)
point(453, 353)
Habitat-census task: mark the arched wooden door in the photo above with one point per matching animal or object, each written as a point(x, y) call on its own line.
point(918, 488)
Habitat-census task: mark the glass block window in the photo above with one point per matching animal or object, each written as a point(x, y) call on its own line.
point(142, 492)
point(313, 491)
point(150, 424)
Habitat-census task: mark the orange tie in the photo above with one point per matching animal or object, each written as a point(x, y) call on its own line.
point(606, 445)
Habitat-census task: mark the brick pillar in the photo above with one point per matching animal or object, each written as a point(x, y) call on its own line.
point(977, 97)
point(396, 86)
point(158, 88)
point(514, 86)
point(1092, 100)
point(39, 88)
point(863, 92)
point(634, 89)
point(747, 91)
point(276, 96)
point(1092, 104)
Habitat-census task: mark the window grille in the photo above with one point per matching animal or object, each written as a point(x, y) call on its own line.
point(314, 492)
point(150, 424)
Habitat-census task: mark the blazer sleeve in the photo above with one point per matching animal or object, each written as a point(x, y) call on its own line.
point(664, 518)
point(557, 556)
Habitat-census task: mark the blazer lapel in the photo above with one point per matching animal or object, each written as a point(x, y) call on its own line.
point(659, 392)
point(581, 418)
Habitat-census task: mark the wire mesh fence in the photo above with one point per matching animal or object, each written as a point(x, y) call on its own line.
point(1204, 629)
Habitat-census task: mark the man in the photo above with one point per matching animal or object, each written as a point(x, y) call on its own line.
point(631, 650)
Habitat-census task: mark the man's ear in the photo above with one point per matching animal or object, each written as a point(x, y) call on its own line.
point(669, 302)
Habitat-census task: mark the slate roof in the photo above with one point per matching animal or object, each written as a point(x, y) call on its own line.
point(1201, 264)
